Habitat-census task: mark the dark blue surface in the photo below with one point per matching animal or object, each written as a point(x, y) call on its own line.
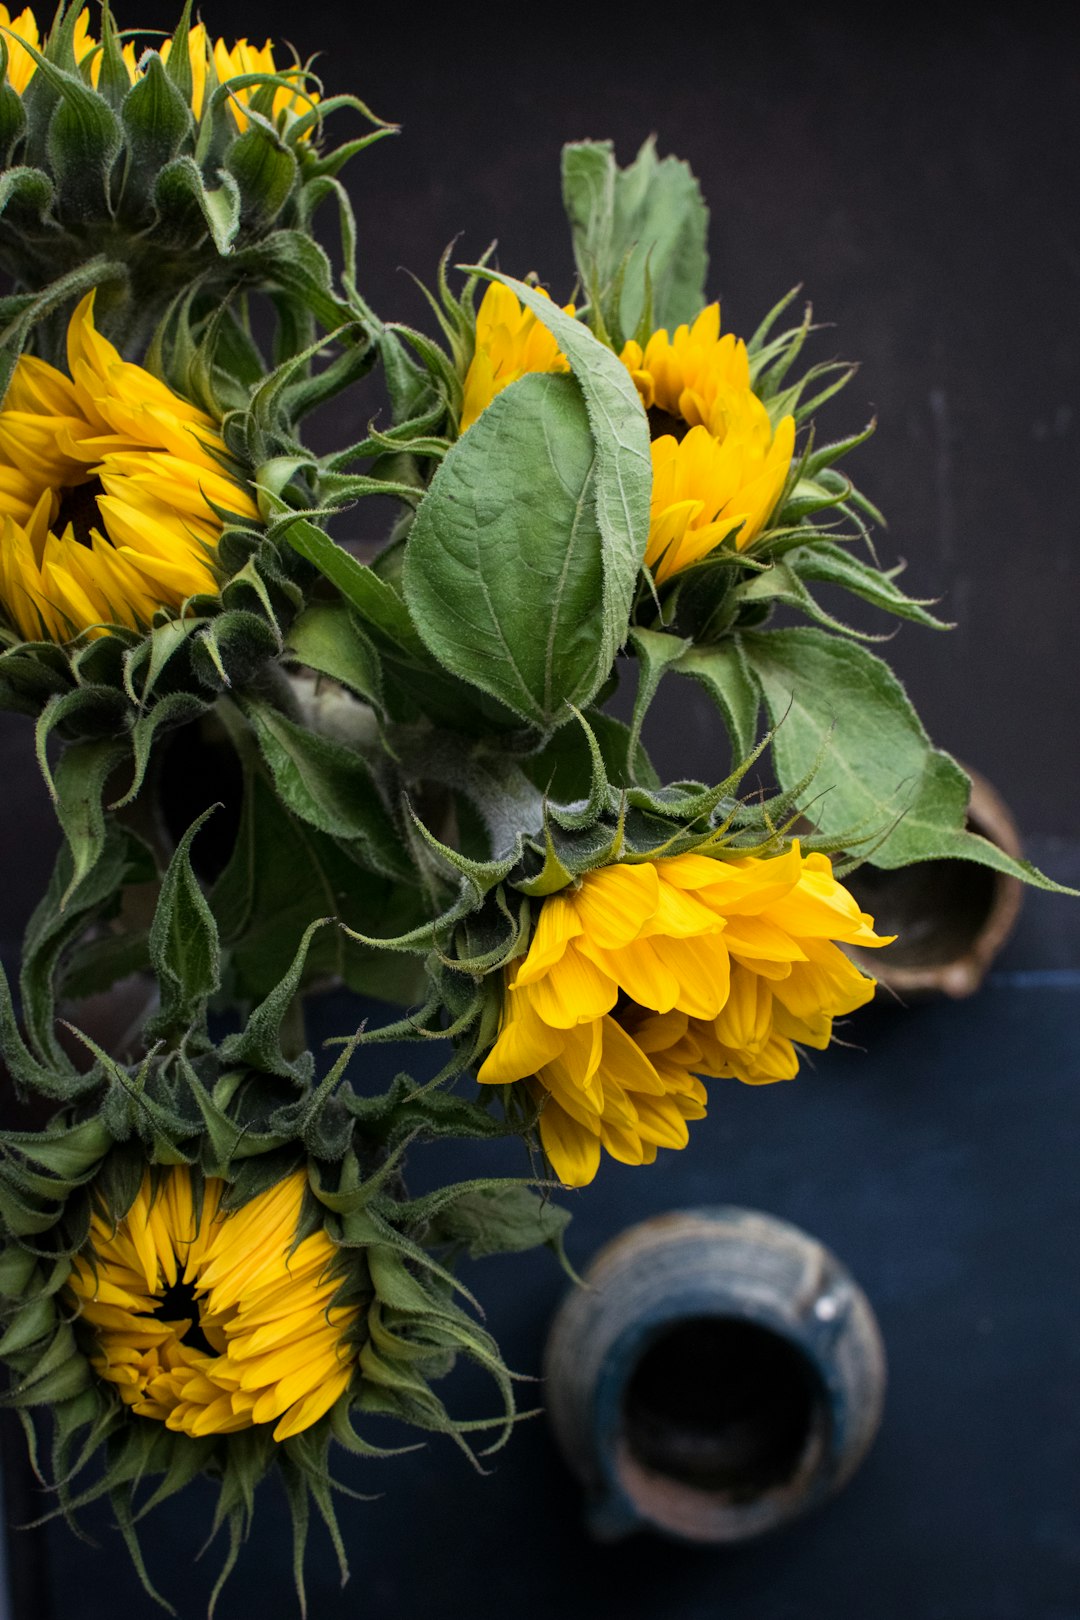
point(939, 1162)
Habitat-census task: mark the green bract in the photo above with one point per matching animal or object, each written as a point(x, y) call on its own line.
point(120, 187)
point(248, 1109)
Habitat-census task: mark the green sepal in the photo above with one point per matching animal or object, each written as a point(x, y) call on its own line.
point(60, 919)
point(183, 199)
point(83, 141)
point(264, 169)
point(157, 120)
point(12, 116)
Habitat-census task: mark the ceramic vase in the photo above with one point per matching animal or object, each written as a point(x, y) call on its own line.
point(719, 1374)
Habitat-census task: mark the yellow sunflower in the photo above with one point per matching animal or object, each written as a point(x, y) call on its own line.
point(510, 342)
point(694, 377)
point(229, 62)
point(707, 489)
point(645, 977)
point(722, 473)
point(210, 1321)
point(21, 65)
point(112, 493)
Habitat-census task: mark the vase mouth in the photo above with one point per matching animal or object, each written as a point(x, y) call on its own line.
point(725, 1427)
point(951, 916)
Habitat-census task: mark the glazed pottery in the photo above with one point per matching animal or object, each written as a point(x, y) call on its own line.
point(951, 917)
point(718, 1374)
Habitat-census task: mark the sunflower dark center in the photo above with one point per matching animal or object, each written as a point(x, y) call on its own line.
point(661, 422)
point(79, 509)
point(179, 1303)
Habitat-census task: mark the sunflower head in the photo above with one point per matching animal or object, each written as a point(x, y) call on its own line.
point(114, 492)
point(209, 1261)
point(134, 558)
point(645, 940)
point(183, 166)
point(645, 979)
point(212, 1320)
point(720, 463)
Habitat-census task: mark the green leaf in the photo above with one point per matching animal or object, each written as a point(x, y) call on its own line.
point(183, 947)
point(329, 785)
point(881, 772)
point(503, 568)
point(520, 496)
point(623, 483)
point(620, 430)
point(723, 671)
point(326, 637)
point(503, 1219)
point(637, 231)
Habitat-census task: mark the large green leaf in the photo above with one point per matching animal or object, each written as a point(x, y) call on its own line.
point(838, 706)
point(636, 231)
point(620, 430)
point(521, 565)
point(504, 572)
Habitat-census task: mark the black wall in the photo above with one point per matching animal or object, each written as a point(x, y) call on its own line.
point(918, 175)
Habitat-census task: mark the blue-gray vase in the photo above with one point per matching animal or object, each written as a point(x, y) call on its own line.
point(719, 1374)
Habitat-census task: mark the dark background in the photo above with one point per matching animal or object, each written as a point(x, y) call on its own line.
point(918, 173)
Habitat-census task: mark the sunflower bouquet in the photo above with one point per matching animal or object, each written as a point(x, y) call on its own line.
point(284, 755)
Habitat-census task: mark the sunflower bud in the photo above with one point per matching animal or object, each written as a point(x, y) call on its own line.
point(149, 172)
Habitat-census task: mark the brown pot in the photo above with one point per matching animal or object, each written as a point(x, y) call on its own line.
point(951, 917)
